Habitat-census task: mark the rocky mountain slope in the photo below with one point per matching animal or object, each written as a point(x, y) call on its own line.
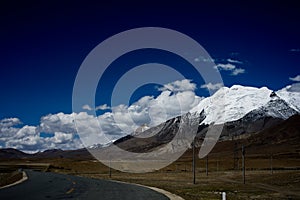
point(240, 112)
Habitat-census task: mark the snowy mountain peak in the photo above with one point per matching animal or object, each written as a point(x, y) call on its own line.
point(229, 104)
point(291, 94)
point(276, 108)
point(98, 146)
point(273, 95)
point(140, 129)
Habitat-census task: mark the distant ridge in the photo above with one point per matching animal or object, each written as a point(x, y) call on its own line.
point(281, 138)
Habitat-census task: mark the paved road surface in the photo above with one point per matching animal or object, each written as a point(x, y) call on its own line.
point(49, 186)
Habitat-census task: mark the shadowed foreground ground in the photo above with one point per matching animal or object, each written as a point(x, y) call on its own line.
point(42, 185)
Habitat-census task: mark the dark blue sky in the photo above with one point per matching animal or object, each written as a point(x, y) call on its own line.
point(44, 44)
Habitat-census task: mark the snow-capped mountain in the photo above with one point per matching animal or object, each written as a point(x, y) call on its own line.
point(96, 146)
point(181, 126)
point(276, 108)
point(231, 104)
point(268, 115)
point(239, 111)
point(291, 94)
point(141, 129)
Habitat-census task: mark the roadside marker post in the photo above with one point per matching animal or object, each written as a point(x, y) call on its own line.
point(243, 164)
point(194, 164)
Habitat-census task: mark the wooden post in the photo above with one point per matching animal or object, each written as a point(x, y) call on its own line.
point(109, 168)
point(194, 164)
point(243, 164)
point(235, 156)
point(271, 163)
point(206, 165)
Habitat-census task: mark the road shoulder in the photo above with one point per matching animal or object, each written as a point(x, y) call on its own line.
point(168, 194)
point(24, 178)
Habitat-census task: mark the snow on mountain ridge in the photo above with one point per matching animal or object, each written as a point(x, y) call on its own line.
point(236, 102)
point(229, 104)
point(276, 108)
point(140, 129)
point(291, 94)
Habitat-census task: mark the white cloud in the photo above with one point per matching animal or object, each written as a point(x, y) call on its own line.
point(211, 86)
point(103, 107)
point(176, 98)
point(28, 139)
point(8, 122)
point(234, 61)
point(226, 67)
point(59, 122)
point(237, 71)
point(8, 129)
point(86, 107)
point(203, 59)
point(296, 78)
point(179, 86)
point(230, 67)
point(294, 88)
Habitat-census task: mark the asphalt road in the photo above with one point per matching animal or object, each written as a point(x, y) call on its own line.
point(48, 186)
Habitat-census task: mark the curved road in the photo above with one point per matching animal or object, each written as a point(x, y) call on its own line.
point(48, 186)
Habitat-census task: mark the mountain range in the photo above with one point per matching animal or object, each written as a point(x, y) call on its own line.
point(241, 111)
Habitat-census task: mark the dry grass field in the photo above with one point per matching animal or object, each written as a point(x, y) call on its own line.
point(272, 161)
point(261, 183)
point(178, 178)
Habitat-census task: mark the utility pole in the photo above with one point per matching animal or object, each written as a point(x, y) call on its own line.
point(194, 163)
point(243, 164)
point(206, 165)
point(235, 156)
point(109, 167)
point(271, 163)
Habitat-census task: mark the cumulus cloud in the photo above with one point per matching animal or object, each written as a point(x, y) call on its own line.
point(203, 59)
point(62, 131)
point(86, 107)
point(230, 67)
point(175, 99)
point(237, 71)
point(226, 67)
point(294, 88)
point(8, 129)
point(179, 86)
point(103, 107)
point(25, 138)
point(8, 122)
point(59, 122)
point(234, 61)
point(28, 138)
point(212, 86)
point(296, 78)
